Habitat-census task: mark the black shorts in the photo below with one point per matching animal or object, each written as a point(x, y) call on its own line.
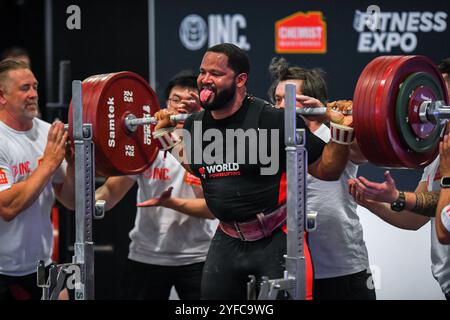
point(357, 286)
point(154, 282)
point(230, 261)
point(19, 288)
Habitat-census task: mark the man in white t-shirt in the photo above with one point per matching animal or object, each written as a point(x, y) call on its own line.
point(339, 254)
point(31, 153)
point(168, 248)
point(410, 211)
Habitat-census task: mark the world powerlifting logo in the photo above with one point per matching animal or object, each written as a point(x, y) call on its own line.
point(220, 170)
point(384, 31)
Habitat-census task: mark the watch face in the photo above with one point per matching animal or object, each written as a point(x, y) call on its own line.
point(445, 181)
point(397, 206)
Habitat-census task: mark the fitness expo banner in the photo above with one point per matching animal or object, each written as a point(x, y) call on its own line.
point(340, 38)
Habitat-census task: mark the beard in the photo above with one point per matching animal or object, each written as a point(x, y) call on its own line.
point(221, 99)
point(31, 113)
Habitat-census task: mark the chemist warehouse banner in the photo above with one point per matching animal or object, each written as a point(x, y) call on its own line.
point(338, 37)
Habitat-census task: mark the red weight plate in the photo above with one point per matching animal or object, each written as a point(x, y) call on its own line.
point(387, 130)
point(364, 120)
point(86, 94)
point(106, 100)
point(381, 114)
point(124, 152)
point(422, 63)
point(382, 158)
point(94, 86)
point(407, 66)
point(88, 89)
point(360, 109)
point(359, 119)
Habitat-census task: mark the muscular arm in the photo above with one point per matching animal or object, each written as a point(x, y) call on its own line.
point(65, 192)
point(356, 156)
point(192, 207)
point(113, 190)
point(425, 203)
point(22, 195)
point(406, 219)
point(422, 202)
point(332, 162)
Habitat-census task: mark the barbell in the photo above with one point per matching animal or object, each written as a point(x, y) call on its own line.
point(398, 106)
point(121, 107)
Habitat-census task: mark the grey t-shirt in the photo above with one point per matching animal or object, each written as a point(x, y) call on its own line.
point(337, 245)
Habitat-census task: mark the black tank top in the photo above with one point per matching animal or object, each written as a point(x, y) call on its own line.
point(235, 189)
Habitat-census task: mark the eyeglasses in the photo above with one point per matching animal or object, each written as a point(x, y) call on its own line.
point(177, 100)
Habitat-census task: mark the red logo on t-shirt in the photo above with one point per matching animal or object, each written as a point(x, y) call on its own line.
point(191, 179)
point(157, 173)
point(3, 177)
point(21, 169)
point(201, 170)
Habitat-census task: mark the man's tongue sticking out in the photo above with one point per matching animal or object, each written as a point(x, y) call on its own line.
point(205, 94)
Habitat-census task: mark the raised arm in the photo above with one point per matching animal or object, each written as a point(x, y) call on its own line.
point(21, 195)
point(332, 163)
point(377, 197)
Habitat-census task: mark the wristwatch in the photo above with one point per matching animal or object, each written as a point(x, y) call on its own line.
point(445, 182)
point(399, 204)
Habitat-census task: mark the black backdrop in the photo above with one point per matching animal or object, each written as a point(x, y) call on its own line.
point(114, 36)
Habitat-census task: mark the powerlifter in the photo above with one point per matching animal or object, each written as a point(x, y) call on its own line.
point(251, 238)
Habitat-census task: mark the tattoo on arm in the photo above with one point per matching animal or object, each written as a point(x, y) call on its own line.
point(426, 203)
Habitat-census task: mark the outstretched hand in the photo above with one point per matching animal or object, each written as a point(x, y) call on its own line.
point(379, 192)
point(357, 196)
point(154, 202)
